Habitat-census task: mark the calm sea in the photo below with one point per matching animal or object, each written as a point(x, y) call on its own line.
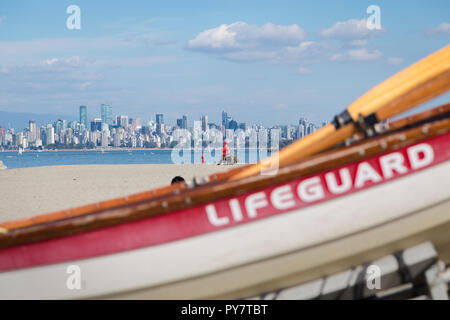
point(54, 158)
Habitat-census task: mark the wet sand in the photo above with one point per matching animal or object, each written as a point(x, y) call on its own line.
point(30, 191)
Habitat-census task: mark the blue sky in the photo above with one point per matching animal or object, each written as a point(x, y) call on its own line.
point(263, 62)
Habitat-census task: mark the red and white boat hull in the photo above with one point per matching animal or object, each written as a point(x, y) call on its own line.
point(239, 246)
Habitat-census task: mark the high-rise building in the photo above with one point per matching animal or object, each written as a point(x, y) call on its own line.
point(159, 118)
point(311, 128)
point(224, 119)
point(50, 135)
point(135, 123)
point(303, 122)
point(204, 120)
point(233, 125)
point(160, 129)
point(33, 131)
point(300, 131)
point(73, 125)
point(122, 121)
point(106, 112)
point(2, 135)
point(182, 123)
point(116, 140)
point(104, 138)
point(83, 116)
point(60, 125)
point(96, 124)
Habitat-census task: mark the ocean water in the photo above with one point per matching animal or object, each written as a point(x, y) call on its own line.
point(54, 158)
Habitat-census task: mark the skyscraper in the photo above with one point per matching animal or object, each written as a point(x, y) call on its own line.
point(224, 119)
point(50, 134)
point(83, 116)
point(122, 121)
point(204, 120)
point(232, 125)
point(303, 122)
point(60, 125)
point(300, 131)
point(33, 131)
point(182, 123)
point(160, 128)
point(159, 118)
point(2, 134)
point(106, 111)
point(135, 123)
point(96, 124)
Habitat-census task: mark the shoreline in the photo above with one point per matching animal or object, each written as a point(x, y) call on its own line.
point(98, 149)
point(129, 149)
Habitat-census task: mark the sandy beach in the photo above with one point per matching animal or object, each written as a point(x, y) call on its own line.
point(31, 191)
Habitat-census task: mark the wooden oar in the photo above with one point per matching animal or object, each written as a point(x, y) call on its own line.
point(416, 84)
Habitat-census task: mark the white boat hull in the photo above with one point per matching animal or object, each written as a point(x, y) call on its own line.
point(259, 256)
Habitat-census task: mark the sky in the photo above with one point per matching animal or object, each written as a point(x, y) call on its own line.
point(264, 62)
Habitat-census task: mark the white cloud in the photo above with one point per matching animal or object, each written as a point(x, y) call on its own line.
point(442, 29)
point(306, 51)
point(218, 38)
point(272, 44)
point(276, 44)
point(240, 35)
point(360, 55)
point(352, 32)
point(394, 61)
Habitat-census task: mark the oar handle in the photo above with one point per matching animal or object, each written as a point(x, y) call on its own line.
point(416, 84)
point(408, 88)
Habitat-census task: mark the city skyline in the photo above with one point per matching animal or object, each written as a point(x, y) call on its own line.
point(123, 131)
point(90, 116)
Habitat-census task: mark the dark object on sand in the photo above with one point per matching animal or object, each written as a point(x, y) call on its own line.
point(177, 179)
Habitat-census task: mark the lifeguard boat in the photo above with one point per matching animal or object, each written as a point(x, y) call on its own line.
point(359, 198)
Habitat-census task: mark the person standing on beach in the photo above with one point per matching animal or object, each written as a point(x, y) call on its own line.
point(225, 151)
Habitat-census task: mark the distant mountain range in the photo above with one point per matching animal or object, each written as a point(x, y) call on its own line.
point(19, 120)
